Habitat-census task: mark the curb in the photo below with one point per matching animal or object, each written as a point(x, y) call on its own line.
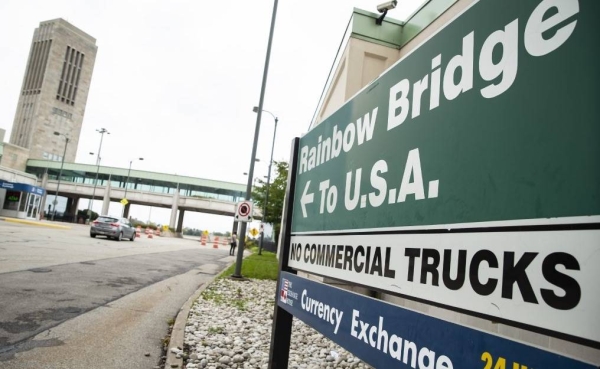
point(34, 223)
point(178, 331)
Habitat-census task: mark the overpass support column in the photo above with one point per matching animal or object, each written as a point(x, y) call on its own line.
point(126, 210)
point(106, 199)
point(174, 208)
point(74, 209)
point(71, 208)
point(235, 227)
point(180, 222)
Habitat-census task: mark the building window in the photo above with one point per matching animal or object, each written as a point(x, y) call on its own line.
point(69, 78)
point(23, 202)
point(36, 68)
point(11, 201)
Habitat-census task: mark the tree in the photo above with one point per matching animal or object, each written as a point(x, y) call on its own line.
point(276, 196)
point(191, 231)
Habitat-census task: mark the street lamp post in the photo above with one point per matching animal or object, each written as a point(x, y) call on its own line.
point(254, 180)
point(262, 234)
point(127, 180)
point(240, 255)
point(59, 172)
point(102, 131)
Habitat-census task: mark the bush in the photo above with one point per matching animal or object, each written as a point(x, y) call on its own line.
point(137, 223)
point(83, 214)
point(251, 245)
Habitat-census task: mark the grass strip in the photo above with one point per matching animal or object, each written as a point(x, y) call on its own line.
point(256, 266)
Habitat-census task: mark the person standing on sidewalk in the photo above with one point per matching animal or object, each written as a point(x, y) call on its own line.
point(233, 243)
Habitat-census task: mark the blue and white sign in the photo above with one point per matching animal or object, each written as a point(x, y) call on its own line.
point(388, 336)
point(23, 187)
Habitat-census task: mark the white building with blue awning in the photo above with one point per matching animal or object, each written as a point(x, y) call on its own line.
point(20, 200)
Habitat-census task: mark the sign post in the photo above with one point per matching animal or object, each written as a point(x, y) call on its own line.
point(281, 332)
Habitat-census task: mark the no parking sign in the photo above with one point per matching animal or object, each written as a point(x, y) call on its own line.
point(243, 211)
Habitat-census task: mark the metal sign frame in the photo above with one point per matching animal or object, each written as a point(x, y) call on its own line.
point(545, 191)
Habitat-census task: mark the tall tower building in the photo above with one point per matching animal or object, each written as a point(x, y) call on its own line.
point(55, 90)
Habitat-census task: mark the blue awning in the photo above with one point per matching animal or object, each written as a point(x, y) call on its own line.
point(23, 187)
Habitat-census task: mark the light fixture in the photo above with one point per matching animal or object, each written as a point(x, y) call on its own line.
point(127, 180)
point(102, 131)
point(383, 9)
point(262, 235)
point(62, 164)
point(237, 273)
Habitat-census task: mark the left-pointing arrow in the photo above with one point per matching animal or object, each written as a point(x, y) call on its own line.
point(307, 198)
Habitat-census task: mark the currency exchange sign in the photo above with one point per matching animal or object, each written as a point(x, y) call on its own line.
point(389, 336)
point(468, 174)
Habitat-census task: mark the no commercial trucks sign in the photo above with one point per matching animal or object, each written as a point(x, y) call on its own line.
point(468, 175)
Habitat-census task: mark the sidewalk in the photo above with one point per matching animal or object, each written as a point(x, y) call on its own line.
point(39, 223)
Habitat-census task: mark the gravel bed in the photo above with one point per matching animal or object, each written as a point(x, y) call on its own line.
point(229, 326)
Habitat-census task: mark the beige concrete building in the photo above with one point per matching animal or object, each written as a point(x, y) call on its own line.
point(54, 92)
point(12, 156)
point(368, 51)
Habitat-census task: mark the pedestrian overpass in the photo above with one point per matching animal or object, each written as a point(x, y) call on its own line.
point(179, 193)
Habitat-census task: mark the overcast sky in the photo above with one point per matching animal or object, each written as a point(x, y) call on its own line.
point(175, 81)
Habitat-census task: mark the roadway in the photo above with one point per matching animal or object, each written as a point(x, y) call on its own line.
point(70, 301)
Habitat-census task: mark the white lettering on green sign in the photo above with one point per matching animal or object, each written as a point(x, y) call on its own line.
point(546, 29)
point(500, 73)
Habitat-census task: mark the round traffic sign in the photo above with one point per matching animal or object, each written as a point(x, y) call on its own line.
point(244, 209)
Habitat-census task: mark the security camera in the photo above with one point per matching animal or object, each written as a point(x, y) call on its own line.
point(388, 5)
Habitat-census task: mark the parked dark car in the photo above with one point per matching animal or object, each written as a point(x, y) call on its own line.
point(117, 228)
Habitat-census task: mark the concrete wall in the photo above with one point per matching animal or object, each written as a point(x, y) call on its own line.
point(360, 63)
point(12, 175)
point(14, 157)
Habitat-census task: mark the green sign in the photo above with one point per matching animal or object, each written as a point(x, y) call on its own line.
point(494, 118)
